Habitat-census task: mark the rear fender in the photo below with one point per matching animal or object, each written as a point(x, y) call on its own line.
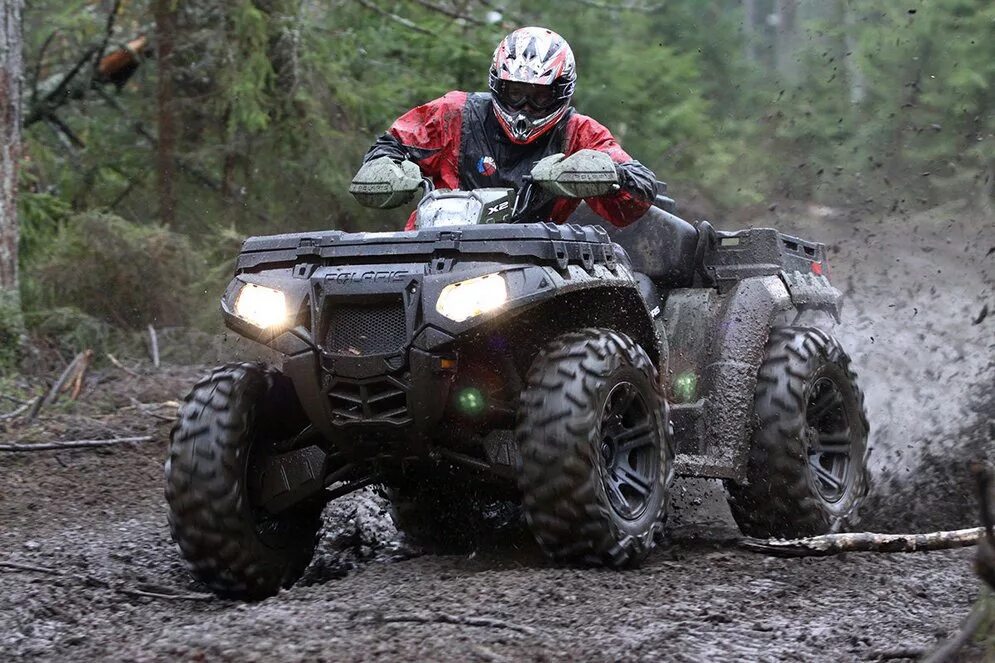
point(720, 339)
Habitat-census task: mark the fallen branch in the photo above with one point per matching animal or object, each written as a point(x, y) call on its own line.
point(984, 562)
point(14, 413)
point(984, 565)
point(948, 650)
point(73, 444)
point(147, 591)
point(124, 368)
point(36, 408)
point(444, 618)
point(835, 544)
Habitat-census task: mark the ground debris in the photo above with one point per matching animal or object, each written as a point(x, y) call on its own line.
point(143, 590)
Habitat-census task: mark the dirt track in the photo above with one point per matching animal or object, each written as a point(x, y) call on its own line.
point(928, 373)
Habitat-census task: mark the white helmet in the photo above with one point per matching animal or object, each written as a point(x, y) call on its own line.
point(532, 78)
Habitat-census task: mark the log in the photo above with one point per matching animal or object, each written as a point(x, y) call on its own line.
point(836, 544)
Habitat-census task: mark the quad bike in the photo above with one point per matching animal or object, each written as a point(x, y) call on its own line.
point(485, 358)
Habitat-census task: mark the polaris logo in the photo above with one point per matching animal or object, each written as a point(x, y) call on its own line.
point(367, 277)
point(497, 208)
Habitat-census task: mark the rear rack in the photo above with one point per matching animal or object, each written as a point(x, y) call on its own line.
point(760, 252)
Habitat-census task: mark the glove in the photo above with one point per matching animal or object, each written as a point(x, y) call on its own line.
point(583, 174)
point(385, 183)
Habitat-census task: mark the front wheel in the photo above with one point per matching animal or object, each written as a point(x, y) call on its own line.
point(227, 423)
point(807, 468)
point(597, 460)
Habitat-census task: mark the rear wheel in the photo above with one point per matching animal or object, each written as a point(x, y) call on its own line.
point(594, 436)
point(227, 424)
point(807, 469)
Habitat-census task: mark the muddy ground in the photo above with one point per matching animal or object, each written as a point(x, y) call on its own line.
point(83, 533)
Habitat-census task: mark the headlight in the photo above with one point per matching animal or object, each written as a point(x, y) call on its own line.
point(462, 301)
point(263, 307)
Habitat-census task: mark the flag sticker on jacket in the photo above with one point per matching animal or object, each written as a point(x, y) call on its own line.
point(486, 166)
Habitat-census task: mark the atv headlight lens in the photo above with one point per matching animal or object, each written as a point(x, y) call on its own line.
point(264, 307)
point(466, 299)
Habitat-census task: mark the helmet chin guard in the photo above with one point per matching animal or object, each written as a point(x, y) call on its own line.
point(523, 128)
point(535, 56)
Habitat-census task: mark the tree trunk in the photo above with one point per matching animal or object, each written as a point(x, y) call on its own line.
point(854, 73)
point(787, 52)
point(165, 26)
point(750, 22)
point(11, 67)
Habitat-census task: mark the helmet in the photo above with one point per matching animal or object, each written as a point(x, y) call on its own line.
point(532, 79)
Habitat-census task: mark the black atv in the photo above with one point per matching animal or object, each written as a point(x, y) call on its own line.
point(483, 360)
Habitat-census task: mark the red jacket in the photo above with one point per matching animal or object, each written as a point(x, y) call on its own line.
point(457, 141)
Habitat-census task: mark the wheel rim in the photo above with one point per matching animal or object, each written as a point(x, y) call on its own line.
point(829, 440)
point(628, 451)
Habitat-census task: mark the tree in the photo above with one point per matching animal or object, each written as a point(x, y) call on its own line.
point(165, 25)
point(11, 67)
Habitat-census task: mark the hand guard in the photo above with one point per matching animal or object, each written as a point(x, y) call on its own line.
point(583, 174)
point(385, 183)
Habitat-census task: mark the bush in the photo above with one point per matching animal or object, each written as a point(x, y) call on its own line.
point(11, 330)
point(67, 330)
point(127, 274)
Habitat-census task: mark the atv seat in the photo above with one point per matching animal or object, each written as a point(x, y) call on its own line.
point(660, 245)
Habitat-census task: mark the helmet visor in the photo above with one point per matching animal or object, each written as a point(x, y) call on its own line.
point(525, 96)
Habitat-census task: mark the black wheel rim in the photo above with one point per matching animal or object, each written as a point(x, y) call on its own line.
point(829, 439)
point(628, 451)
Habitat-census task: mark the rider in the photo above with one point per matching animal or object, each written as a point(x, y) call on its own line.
point(492, 139)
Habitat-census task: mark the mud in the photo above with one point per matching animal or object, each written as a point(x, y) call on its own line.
point(914, 287)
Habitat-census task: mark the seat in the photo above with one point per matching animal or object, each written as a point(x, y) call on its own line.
point(660, 245)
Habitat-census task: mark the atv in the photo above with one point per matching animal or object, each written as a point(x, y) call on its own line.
point(486, 358)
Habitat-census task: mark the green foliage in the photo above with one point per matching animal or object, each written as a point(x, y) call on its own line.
point(278, 100)
point(70, 331)
point(40, 215)
point(245, 82)
point(117, 271)
point(11, 330)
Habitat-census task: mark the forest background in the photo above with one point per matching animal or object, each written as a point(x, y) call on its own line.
point(157, 134)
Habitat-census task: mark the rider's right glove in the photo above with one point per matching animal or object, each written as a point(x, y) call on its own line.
point(385, 183)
